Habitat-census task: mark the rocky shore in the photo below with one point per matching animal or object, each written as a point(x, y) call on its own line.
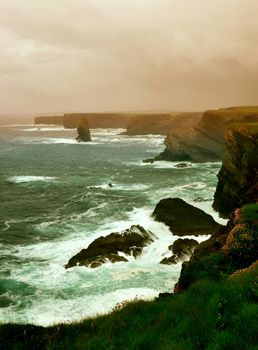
point(204, 141)
point(214, 304)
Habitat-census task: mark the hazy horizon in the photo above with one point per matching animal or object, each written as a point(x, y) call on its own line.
point(63, 56)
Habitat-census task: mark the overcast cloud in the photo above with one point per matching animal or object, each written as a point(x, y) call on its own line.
point(96, 55)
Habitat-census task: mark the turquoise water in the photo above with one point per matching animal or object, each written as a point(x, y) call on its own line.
point(55, 200)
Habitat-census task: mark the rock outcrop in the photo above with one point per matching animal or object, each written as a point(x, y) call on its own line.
point(228, 251)
point(182, 249)
point(109, 248)
point(83, 131)
point(160, 123)
point(205, 140)
point(238, 177)
point(184, 219)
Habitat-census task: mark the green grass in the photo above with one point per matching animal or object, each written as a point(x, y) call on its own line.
point(249, 214)
point(212, 314)
point(251, 126)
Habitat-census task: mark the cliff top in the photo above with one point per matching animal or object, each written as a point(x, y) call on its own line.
point(252, 127)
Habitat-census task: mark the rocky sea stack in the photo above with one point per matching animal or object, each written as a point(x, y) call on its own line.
point(83, 131)
point(184, 219)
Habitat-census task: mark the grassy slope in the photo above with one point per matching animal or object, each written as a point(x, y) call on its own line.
point(212, 315)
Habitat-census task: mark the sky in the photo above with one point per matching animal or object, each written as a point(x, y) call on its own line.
point(61, 56)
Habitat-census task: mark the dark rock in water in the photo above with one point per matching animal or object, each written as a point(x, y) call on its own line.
point(201, 199)
point(103, 249)
point(184, 219)
point(183, 165)
point(169, 261)
point(238, 177)
point(182, 250)
point(83, 131)
point(149, 160)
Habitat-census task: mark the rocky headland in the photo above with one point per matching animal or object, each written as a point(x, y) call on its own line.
point(205, 140)
point(233, 247)
point(238, 177)
point(135, 123)
point(160, 123)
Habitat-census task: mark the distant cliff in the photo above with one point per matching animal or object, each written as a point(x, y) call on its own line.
point(98, 120)
point(161, 123)
point(238, 177)
point(135, 123)
point(204, 141)
point(49, 120)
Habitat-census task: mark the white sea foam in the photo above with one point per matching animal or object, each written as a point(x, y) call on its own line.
point(119, 187)
point(54, 311)
point(21, 179)
point(41, 128)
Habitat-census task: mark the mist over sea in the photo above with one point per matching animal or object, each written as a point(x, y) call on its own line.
point(55, 200)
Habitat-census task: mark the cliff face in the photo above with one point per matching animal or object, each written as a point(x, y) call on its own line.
point(205, 141)
point(98, 120)
point(238, 177)
point(49, 120)
point(235, 246)
point(160, 123)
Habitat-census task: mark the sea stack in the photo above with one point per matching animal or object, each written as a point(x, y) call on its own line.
point(83, 131)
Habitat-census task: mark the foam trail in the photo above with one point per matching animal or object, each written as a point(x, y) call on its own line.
point(21, 179)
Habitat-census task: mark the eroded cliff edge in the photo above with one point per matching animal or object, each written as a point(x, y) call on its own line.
point(233, 247)
point(238, 177)
point(205, 140)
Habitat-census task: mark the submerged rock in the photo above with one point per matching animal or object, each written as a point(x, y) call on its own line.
point(183, 165)
point(103, 249)
point(83, 131)
point(184, 219)
point(182, 250)
point(148, 160)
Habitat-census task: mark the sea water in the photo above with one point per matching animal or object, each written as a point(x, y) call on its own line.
point(55, 199)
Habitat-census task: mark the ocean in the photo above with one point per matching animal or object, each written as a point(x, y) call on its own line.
point(55, 200)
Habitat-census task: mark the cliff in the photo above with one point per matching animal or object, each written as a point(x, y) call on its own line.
point(98, 120)
point(49, 120)
point(234, 247)
point(205, 141)
point(238, 177)
point(161, 123)
point(218, 307)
